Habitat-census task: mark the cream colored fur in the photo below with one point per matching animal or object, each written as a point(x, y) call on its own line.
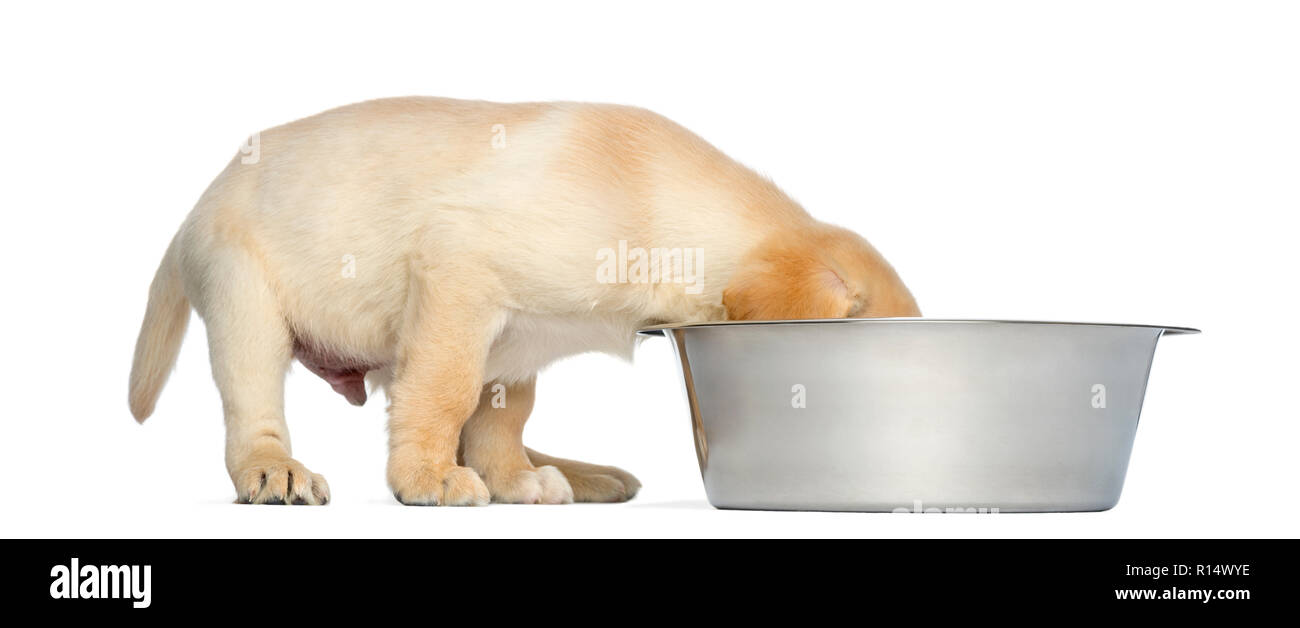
point(449, 246)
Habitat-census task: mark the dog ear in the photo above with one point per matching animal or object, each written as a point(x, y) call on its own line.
point(787, 282)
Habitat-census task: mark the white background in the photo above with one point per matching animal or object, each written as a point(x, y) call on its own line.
point(1100, 161)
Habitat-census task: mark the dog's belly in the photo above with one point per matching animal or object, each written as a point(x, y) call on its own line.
point(347, 376)
point(529, 342)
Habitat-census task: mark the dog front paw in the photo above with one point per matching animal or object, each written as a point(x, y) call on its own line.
point(542, 485)
point(591, 482)
point(609, 485)
point(421, 484)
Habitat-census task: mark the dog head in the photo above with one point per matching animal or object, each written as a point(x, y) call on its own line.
point(817, 272)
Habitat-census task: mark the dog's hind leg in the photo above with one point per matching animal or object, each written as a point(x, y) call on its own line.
point(250, 345)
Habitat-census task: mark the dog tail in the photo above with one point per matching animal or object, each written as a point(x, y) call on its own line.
point(165, 320)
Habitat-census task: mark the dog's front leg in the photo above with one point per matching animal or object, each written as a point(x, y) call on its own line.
point(492, 444)
point(435, 389)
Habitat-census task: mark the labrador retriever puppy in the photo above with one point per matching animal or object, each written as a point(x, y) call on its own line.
point(448, 250)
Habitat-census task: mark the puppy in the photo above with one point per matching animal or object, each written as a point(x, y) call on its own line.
point(448, 250)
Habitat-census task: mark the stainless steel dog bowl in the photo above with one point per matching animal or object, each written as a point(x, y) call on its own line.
point(904, 415)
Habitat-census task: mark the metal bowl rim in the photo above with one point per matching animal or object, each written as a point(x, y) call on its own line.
point(655, 330)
